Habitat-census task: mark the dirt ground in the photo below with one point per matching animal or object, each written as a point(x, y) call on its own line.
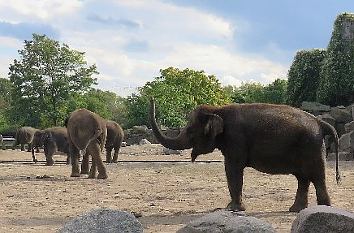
point(167, 190)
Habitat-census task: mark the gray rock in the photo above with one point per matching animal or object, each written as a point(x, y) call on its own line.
point(103, 221)
point(140, 128)
point(314, 107)
point(124, 144)
point(226, 221)
point(167, 151)
point(341, 115)
point(144, 142)
point(345, 142)
point(323, 219)
point(349, 127)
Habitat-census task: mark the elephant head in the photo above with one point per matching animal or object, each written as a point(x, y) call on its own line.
point(201, 132)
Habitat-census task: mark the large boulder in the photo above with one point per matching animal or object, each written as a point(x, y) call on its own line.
point(349, 127)
point(323, 219)
point(103, 221)
point(328, 118)
point(341, 114)
point(225, 221)
point(345, 142)
point(314, 107)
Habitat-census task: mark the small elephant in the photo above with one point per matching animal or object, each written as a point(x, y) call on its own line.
point(114, 140)
point(53, 140)
point(24, 135)
point(87, 136)
point(275, 139)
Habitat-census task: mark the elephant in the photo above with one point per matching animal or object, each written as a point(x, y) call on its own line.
point(87, 134)
point(52, 139)
point(114, 140)
point(274, 139)
point(24, 135)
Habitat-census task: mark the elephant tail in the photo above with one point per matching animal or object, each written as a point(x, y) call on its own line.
point(96, 134)
point(328, 129)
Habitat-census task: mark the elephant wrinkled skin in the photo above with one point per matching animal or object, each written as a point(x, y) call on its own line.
point(275, 139)
point(53, 140)
point(87, 136)
point(114, 140)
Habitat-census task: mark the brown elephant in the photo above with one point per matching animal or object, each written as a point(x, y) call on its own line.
point(114, 140)
point(275, 139)
point(24, 135)
point(53, 140)
point(87, 136)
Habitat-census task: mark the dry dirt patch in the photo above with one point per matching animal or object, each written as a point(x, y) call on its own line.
point(165, 191)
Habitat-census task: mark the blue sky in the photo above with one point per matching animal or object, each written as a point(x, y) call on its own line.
point(130, 40)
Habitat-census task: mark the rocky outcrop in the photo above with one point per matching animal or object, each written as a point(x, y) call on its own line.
point(103, 221)
point(323, 219)
point(226, 221)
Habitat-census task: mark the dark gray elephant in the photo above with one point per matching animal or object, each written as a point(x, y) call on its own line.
point(87, 136)
point(24, 135)
point(114, 140)
point(275, 139)
point(53, 140)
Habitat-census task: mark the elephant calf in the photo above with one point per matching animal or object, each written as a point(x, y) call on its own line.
point(87, 136)
point(114, 140)
point(275, 139)
point(53, 140)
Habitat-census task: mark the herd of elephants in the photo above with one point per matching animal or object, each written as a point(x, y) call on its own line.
point(275, 139)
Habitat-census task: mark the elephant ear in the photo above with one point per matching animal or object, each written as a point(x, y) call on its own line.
point(214, 125)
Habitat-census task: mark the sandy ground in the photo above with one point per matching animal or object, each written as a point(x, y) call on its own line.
point(38, 198)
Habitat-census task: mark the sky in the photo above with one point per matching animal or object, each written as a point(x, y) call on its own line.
point(130, 40)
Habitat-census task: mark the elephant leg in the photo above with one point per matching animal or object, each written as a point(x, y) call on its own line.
point(115, 156)
point(85, 163)
point(37, 149)
point(34, 157)
point(49, 151)
point(96, 150)
point(108, 154)
point(234, 175)
point(93, 169)
point(29, 147)
point(321, 191)
point(68, 159)
point(22, 147)
point(74, 154)
point(301, 198)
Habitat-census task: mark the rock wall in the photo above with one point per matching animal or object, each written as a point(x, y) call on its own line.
point(342, 119)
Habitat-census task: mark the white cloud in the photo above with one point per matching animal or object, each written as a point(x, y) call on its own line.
point(15, 10)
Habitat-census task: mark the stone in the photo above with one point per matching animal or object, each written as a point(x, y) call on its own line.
point(168, 151)
point(323, 219)
point(144, 142)
point(349, 127)
point(341, 114)
point(345, 142)
point(124, 144)
point(314, 107)
point(140, 128)
point(327, 118)
point(226, 221)
point(103, 221)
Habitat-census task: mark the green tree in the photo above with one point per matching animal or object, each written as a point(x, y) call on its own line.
point(337, 82)
point(45, 78)
point(304, 76)
point(177, 92)
point(275, 92)
point(5, 103)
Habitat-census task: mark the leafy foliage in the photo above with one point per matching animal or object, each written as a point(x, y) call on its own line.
point(337, 82)
point(176, 92)
point(304, 76)
point(254, 92)
point(45, 78)
point(5, 103)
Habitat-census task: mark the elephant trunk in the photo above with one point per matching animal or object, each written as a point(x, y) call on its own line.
point(180, 142)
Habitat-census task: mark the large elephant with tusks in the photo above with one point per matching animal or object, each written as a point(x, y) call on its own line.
point(275, 139)
point(87, 134)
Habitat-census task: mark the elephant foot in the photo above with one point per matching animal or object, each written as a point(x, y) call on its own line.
point(236, 206)
point(297, 208)
point(102, 176)
point(49, 163)
point(75, 174)
point(35, 160)
point(84, 172)
point(91, 176)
